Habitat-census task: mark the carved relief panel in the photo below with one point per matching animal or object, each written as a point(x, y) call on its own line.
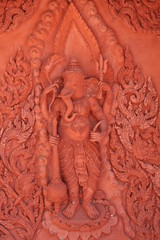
point(79, 127)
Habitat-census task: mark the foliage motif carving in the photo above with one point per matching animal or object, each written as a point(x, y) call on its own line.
point(135, 147)
point(13, 13)
point(138, 15)
point(21, 199)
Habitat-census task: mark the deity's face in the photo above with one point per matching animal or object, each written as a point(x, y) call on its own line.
point(74, 85)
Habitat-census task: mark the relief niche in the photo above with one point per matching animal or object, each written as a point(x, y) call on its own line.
point(79, 134)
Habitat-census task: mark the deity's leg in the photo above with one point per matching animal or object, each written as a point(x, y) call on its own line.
point(93, 167)
point(73, 204)
point(70, 178)
point(88, 204)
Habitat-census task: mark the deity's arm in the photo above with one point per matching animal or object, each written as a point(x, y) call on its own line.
point(98, 113)
point(101, 137)
point(58, 109)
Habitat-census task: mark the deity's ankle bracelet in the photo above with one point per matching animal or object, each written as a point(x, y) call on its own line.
point(74, 201)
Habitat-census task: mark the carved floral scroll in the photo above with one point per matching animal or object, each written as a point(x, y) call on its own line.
point(21, 198)
point(13, 13)
point(140, 16)
point(135, 147)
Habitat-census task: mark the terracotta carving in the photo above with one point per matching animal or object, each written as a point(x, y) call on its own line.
point(79, 126)
point(138, 15)
point(134, 144)
point(21, 201)
point(77, 154)
point(12, 13)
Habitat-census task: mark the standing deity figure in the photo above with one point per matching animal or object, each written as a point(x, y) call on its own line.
point(76, 110)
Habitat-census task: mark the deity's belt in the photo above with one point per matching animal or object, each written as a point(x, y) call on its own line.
point(65, 137)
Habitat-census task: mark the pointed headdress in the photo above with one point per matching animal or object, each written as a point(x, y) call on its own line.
point(73, 67)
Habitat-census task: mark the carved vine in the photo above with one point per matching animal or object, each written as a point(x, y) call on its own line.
point(135, 151)
point(138, 15)
point(21, 203)
point(13, 13)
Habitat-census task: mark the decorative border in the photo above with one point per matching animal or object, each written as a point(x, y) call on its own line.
point(14, 13)
point(138, 15)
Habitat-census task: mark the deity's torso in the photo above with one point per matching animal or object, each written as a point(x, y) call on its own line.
point(80, 127)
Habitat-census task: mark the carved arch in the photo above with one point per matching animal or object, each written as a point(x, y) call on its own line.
point(75, 39)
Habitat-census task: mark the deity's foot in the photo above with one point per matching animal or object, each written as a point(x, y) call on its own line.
point(70, 210)
point(91, 210)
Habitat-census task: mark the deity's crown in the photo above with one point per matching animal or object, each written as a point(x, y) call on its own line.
point(73, 67)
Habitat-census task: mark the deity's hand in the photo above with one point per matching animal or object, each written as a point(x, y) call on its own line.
point(97, 136)
point(103, 86)
point(54, 140)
